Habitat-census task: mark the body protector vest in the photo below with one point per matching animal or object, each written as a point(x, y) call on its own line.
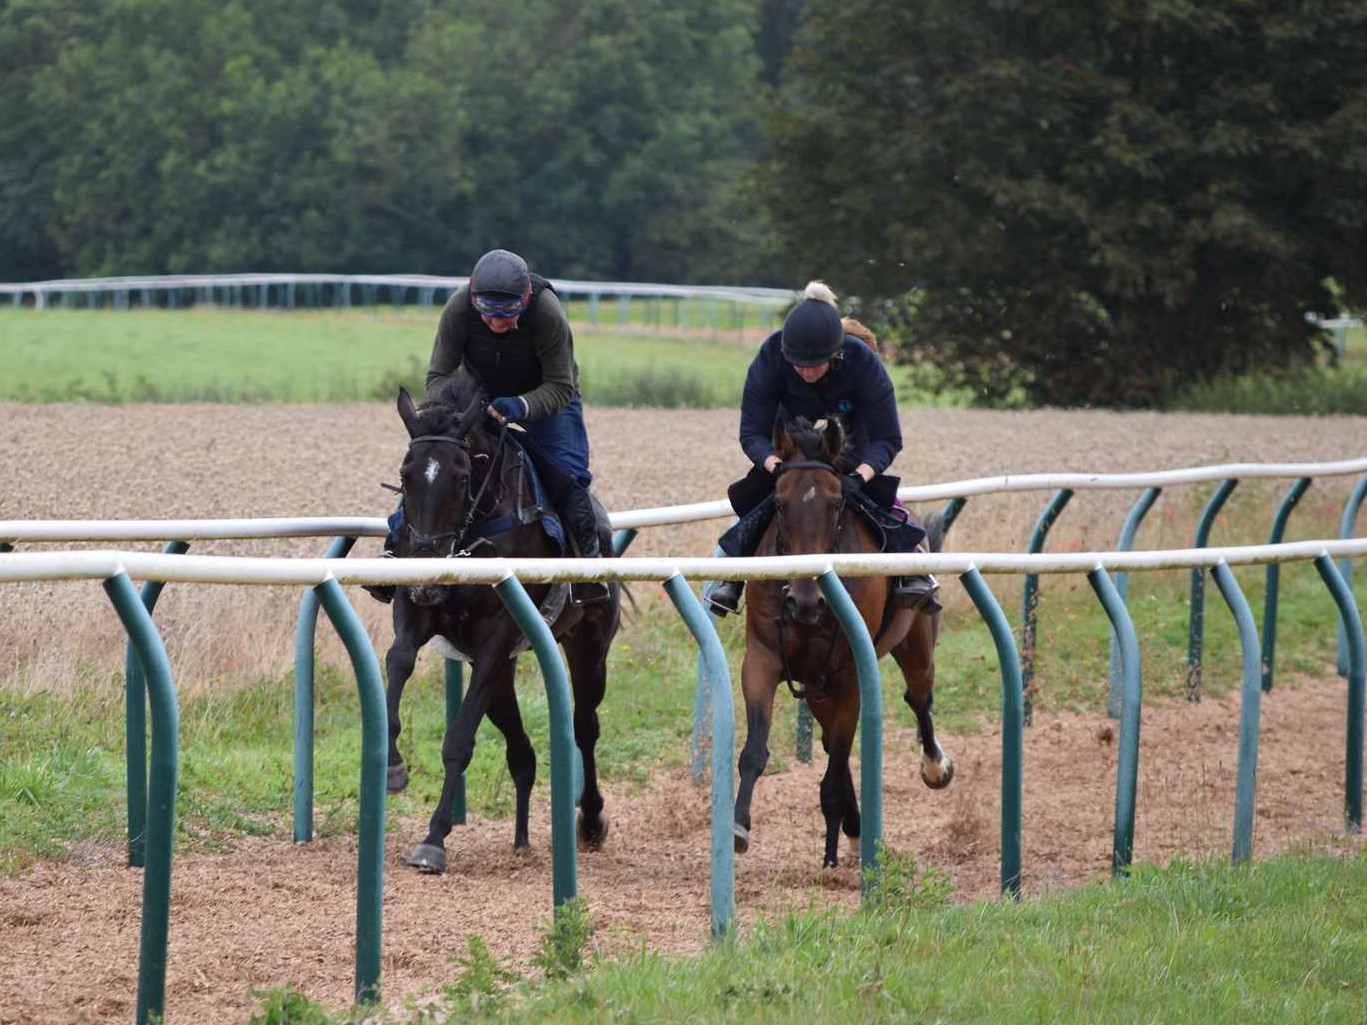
point(507, 364)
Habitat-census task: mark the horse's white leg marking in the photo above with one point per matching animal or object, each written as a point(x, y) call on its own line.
point(432, 470)
point(936, 770)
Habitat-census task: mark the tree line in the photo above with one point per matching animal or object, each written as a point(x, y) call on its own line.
point(1083, 202)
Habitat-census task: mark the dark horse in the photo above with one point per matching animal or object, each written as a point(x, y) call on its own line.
point(792, 635)
point(466, 491)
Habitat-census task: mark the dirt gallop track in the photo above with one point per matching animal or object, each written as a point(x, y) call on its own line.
point(266, 912)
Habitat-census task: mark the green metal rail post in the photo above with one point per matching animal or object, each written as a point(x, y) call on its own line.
point(1197, 623)
point(370, 818)
point(1013, 727)
point(1127, 764)
point(1351, 621)
point(1030, 603)
point(135, 725)
point(1350, 512)
point(305, 634)
point(723, 752)
point(1115, 673)
point(161, 801)
point(1250, 710)
point(1274, 576)
point(558, 701)
point(870, 725)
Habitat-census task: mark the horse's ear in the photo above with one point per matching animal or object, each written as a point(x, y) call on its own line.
point(469, 416)
point(782, 440)
point(832, 438)
point(408, 413)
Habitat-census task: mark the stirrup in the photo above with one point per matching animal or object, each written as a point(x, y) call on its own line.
point(383, 593)
point(918, 593)
point(723, 597)
point(589, 592)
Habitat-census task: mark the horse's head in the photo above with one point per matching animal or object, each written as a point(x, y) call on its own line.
point(436, 479)
point(809, 503)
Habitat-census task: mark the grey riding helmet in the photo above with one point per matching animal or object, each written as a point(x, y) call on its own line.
point(500, 284)
point(812, 333)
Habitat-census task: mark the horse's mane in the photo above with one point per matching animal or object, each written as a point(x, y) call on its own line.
point(810, 439)
point(440, 414)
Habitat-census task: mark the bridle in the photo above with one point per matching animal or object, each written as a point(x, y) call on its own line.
point(420, 541)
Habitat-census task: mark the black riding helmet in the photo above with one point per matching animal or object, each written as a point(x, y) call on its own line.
point(500, 284)
point(812, 334)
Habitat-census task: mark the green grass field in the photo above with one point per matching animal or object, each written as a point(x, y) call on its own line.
point(236, 355)
point(1276, 943)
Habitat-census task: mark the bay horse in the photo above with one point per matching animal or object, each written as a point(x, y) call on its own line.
point(466, 491)
point(791, 634)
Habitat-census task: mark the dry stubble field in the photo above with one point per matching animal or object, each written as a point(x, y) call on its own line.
point(268, 912)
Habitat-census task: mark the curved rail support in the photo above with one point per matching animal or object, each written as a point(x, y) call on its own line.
point(1250, 710)
point(702, 700)
point(161, 803)
point(370, 818)
point(135, 725)
point(558, 701)
point(1274, 576)
point(1115, 672)
point(951, 511)
point(621, 540)
point(870, 725)
point(305, 637)
point(1013, 727)
point(1197, 623)
point(1350, 514)
point(1127, 765)
point(723, 752)
point(1030, 602)
point(1351, 622)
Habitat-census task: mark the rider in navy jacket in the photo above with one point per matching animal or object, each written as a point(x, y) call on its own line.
point(855, 387)
point(814, 369)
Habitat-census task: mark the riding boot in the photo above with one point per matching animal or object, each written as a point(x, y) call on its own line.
point(384, 593)
point(723, 596)
point(581, 523)
point(919, 593)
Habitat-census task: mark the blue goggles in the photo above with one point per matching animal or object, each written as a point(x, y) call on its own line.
point(502, 306)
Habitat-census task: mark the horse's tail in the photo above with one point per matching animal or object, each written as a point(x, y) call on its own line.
point(935, 531)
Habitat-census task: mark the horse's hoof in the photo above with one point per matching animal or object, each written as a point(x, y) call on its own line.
point(943, 776)
point(428, 858)
point(397, 778)
point(742, 838)
point(592, 837)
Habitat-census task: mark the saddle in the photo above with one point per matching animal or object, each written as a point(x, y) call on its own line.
point(534, 504)
point(752, 498)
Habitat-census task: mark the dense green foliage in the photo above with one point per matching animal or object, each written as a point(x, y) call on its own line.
point(1083, 203)
point(605, 140)
point(1099, 203)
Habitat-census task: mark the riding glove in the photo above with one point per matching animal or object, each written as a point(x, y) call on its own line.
point(851, 482)
point(513, 408)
